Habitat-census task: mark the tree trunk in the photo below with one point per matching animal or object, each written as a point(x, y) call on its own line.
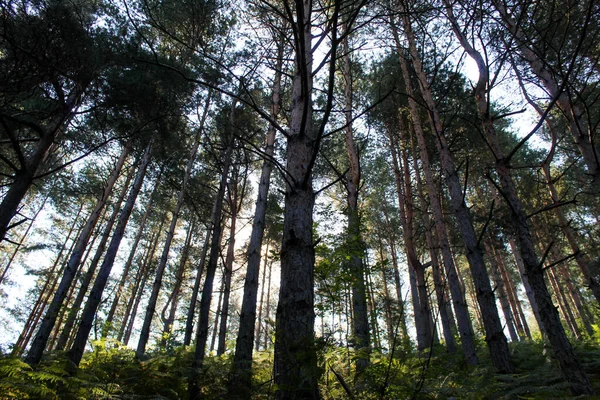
point(440, 289)
point(160, 269)
point(23, 238)
point(416, 269)
point(205, 300)
point(494, 334)
point(179, 277)
point(24, 177)
point(39, 343)
point(242, 362)
point(502, 296)
point(260, 304)
point(568, 361)
point(360, 328)
point(87, 279)
point(129, 262)
point(229, 258)
point(89, 312)
point(140, 283)
point(44, 296)
point(458, 297)
point(189, 324)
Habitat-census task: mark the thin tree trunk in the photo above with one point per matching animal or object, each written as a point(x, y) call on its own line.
point(175, 293)
point(140, 283)
point(89, 312)
point(260, 304)
point(160, 269)
point(39, 343)
point(433, 246)
point(494, 335)
point(23, 238)
point(228, 267)
point(502, 296)
point(205, 300)
point(189, 324)
point(44, 296)
point(570, 366)
point(218, 315)
point(360, 328)
point(128, 264)
point(268, 310)
point(87, 279)
point(242, 362)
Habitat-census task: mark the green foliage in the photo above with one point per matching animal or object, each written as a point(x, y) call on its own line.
point(111, 371)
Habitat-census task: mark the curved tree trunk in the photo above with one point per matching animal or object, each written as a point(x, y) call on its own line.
point(567, 359)
point(494, 335)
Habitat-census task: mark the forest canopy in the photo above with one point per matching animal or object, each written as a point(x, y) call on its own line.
point(299, 199)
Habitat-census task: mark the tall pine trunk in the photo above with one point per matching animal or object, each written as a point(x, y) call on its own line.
point(570, 366)
point(39, 343)
point(494, 335)
point(91, 307)
point(242, 362)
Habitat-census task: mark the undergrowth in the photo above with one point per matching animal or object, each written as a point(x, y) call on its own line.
point(111, 371)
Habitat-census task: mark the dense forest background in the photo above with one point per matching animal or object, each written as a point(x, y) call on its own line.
point(299, 199)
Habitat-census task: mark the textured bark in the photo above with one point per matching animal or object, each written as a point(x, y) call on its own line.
point(87, 278)
point(360, 328)
point(37, 348)
point(295, 369)
point(91, 307)
point(494, 335)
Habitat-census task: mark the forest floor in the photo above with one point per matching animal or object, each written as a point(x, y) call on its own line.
point(112, 372)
